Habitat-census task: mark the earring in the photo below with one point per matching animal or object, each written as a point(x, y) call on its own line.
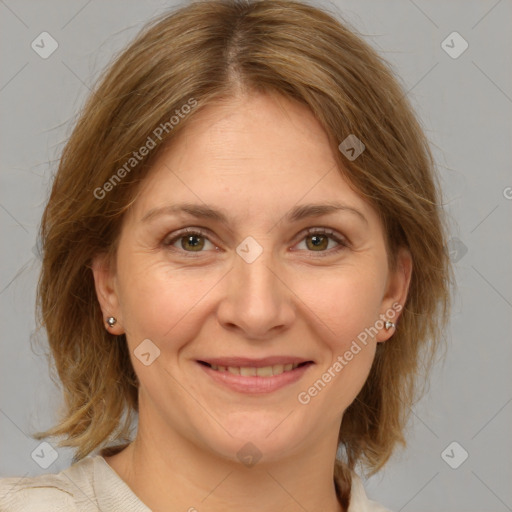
point(111, 321)
point(389, 324)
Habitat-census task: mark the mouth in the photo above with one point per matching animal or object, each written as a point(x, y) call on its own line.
point(256, 370)
point(255, 376)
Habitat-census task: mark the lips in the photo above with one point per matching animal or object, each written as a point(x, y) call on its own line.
point(255, 375)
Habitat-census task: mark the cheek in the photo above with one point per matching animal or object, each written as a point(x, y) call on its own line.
point(344, 301)
point(157, 301)
point(346, 311)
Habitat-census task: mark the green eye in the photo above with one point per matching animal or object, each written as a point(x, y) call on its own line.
point(196, 242)
point(190, 240)
point(318, 241)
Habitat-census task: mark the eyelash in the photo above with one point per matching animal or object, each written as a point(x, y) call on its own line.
point(343, 243)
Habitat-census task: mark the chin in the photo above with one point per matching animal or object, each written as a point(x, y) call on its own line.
point(257, 438)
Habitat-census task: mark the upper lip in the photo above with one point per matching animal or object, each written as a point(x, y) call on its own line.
point(246, 362)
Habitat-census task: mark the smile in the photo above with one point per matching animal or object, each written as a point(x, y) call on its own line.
point(257, 378)
point(253, 371)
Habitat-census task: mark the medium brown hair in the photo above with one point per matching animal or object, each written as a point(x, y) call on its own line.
point(207, 51)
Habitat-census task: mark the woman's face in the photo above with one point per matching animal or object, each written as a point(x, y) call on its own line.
point(215, 317)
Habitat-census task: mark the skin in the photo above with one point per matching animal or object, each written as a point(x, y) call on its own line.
point(254, 158)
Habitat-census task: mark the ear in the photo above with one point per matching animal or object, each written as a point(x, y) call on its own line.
point(105, 284)
point(396, 293)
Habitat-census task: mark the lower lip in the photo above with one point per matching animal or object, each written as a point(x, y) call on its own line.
point(255, 384)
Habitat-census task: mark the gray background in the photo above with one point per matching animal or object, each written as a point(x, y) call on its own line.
point(465, 105)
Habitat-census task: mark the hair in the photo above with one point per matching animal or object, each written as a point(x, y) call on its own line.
point(206, 52)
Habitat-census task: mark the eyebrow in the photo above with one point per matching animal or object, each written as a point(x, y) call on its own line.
point(205, 211)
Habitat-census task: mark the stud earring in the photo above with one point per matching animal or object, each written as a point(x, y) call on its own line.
point(389, 325)
point(111, 321)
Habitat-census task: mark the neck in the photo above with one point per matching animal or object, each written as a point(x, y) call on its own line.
point(169, 473)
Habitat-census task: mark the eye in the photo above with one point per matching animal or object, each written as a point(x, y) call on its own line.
point(195, 240)
point(317, 240)
point(189, 240)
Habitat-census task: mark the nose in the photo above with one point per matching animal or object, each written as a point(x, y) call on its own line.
point(257, 301)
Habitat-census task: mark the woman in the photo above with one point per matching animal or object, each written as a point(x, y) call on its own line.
point(244, 250)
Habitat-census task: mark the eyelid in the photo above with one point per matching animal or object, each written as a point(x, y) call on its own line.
point(338, 237)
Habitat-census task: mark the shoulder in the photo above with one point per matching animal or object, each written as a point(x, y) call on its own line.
point(35, 494)
point(359, 502)
point(55, 492)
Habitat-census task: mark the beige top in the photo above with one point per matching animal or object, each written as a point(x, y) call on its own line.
point(91, 485)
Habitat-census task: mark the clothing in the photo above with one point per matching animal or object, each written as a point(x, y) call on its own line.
point(91, 485)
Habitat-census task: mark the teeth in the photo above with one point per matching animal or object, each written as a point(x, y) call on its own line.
point(265, 371)
point(251, 371)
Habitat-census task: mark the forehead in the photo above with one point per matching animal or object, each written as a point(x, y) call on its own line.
point(257, 153)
